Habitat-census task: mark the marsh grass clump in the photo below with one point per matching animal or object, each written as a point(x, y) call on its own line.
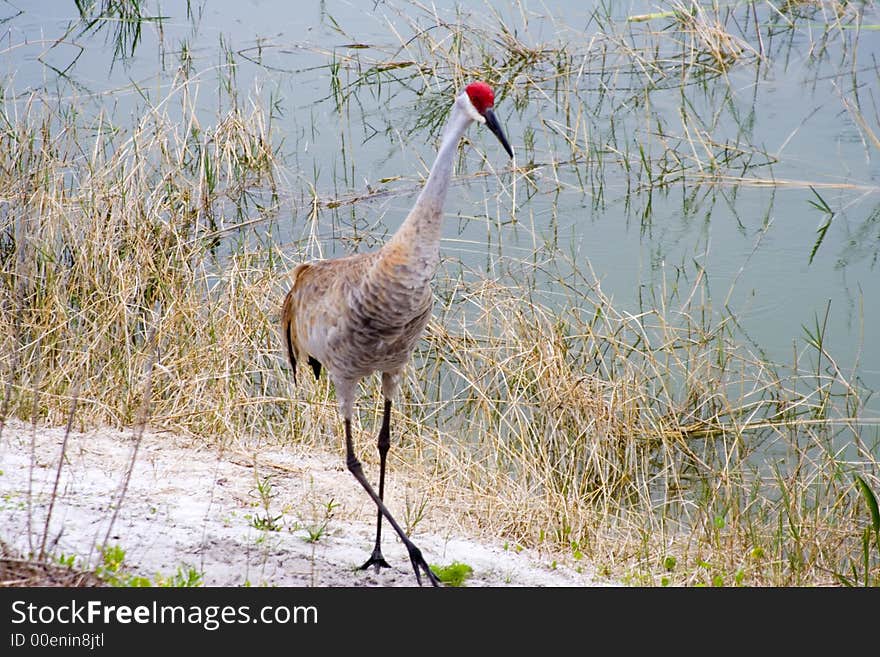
point(707, 37)
point(594, 428)
point(124, 19)
point(95, 239)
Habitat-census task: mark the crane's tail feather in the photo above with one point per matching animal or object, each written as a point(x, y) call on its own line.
point(287, 330)
point(290, 355)
point(288, 323)
point(316, 366)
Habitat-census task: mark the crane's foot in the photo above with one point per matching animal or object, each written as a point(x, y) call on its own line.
point(376, 559)
point(419, 564)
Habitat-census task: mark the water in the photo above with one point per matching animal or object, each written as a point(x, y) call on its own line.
point(788, 119)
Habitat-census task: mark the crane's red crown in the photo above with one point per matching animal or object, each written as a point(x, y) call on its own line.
point(481, 95)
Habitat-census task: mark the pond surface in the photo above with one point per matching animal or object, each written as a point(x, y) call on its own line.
point(754, 182)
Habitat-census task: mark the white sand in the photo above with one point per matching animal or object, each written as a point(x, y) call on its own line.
point(194, 507)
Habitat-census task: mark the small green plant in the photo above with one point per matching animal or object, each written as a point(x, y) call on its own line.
point(316, 531)
point(454, 574)
point(185, 577)
point(267, 521)
point(112, 572)
point(110, 569)
point(67, 560)
point(112, 558)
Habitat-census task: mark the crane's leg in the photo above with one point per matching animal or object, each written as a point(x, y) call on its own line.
point(415, 555)
point(384, 444)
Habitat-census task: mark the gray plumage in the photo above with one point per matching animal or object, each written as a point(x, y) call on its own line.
point(364, 313)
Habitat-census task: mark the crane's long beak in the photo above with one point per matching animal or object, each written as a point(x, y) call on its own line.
point(495, 127)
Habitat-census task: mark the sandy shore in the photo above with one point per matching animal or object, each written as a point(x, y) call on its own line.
point(187, 506)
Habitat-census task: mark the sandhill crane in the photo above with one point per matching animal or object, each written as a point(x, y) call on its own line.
point(364, 313)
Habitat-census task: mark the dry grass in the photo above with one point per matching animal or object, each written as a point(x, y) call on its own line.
point(16, 571)
point(656, 443)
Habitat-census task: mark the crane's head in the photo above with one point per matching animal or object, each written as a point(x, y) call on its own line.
point(482, 100)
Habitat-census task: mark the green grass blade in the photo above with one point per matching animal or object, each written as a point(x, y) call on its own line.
point(822, 206)
point(871, 500)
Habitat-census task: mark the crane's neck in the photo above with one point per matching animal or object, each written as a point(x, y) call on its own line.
point(419, 235)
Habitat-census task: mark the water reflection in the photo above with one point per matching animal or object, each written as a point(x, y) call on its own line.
point(651, 145)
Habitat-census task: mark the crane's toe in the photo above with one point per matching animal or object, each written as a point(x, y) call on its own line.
point(376, 559)
point(419, 564)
